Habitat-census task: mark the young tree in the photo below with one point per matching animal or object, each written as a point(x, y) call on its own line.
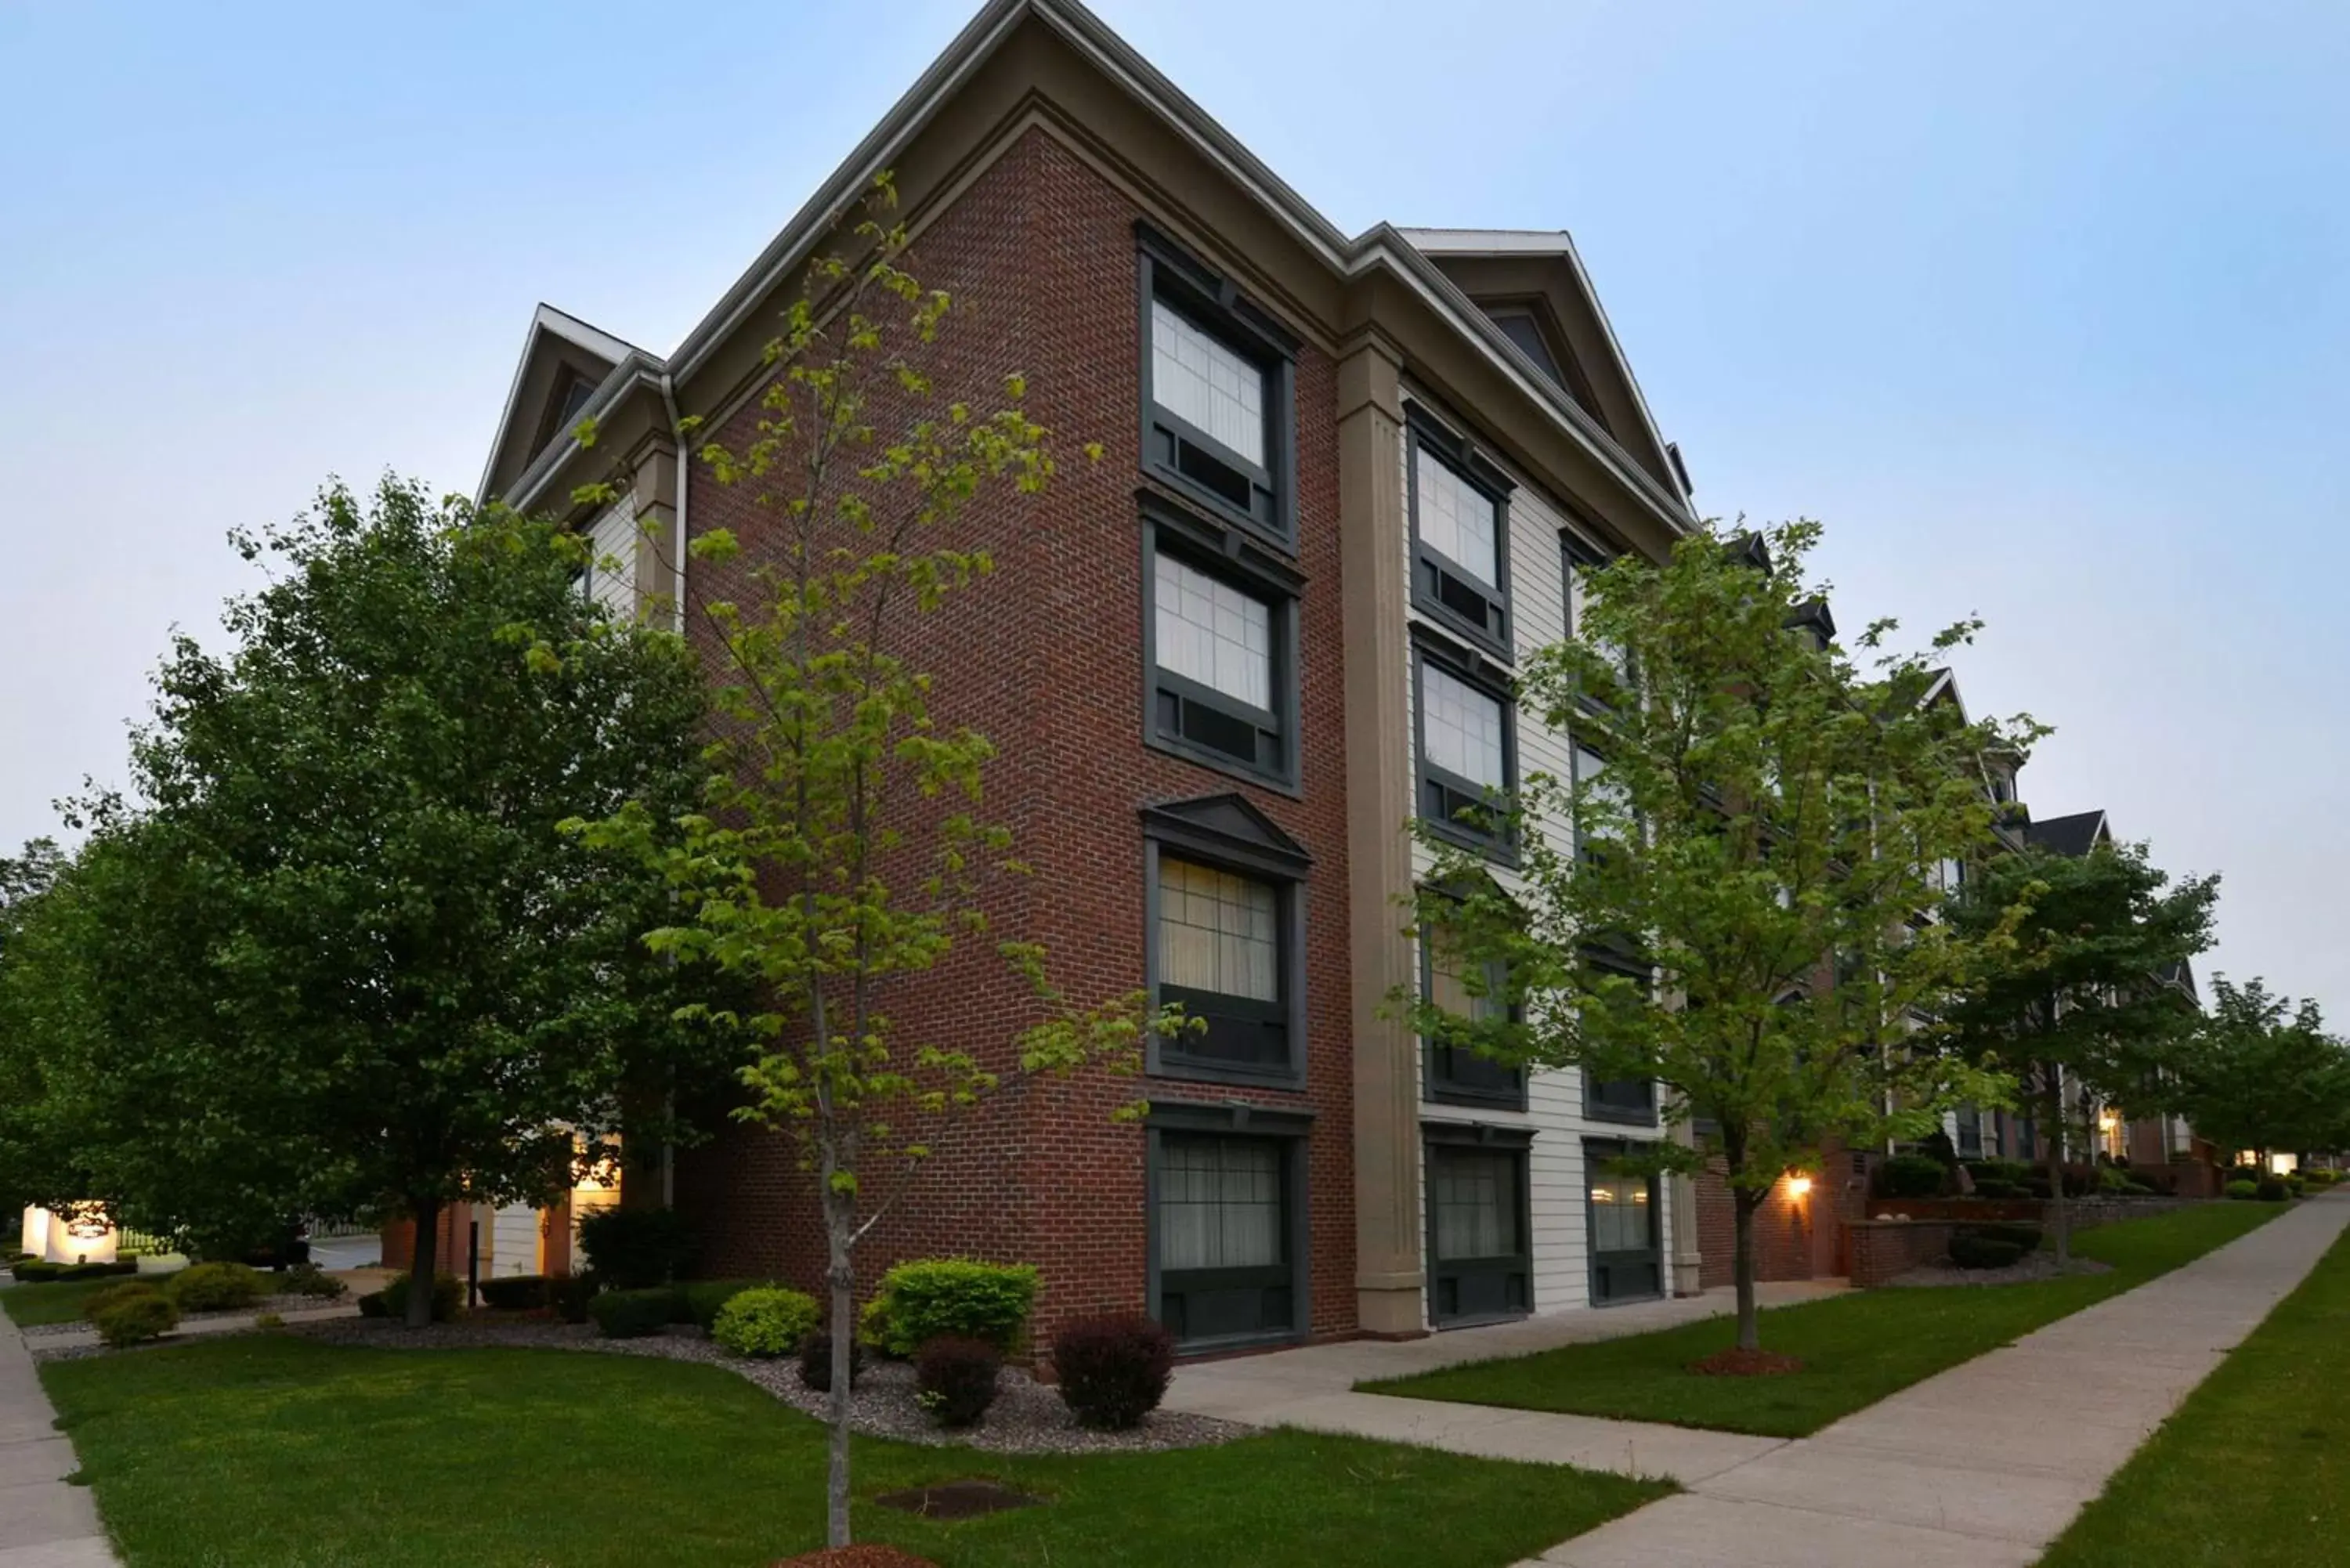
point(2261, 1073)
point(2078, 1004)
point(1751, 811)
point(369, 970)
point(839, 855)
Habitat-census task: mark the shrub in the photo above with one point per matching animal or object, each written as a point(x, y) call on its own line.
point(2113, 1179)
point(215, 1287)
point(33, 1271)
point(515, 1292)
point(311, 1281)
point(1911, 1176)
point(764, 1321)
point(873, 1328)
point(698, 1301)
point(98, 1300)
point(2022, 1237)
point(815, 1361)
point(2242, 1190)
point(2016, 1171)
point(96, 1271)
point(448, 1295)
point(372, 1305)
point(1113, 1370)
point(954, 1378)
point(956, 1298)
point(632, 1315)
point(635, 1249)
point(1983, 1253)
point(569, 1295)
point(2321, 1178)
point(268, 1320)
point(2271, 1190)
point(135, 1318)
point(1990, 1188)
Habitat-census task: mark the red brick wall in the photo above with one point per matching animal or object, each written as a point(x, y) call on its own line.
point(1883, 1249)
point(1046, 658)
point(451, 1232)
point(1795, 1238)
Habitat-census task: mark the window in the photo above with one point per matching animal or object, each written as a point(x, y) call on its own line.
point(1580, 556)
point(1479, 1267)
point(1226, 917)
point(1591, 776)
point(1625, 1258)
point(1969, 1140)
point(1223, 1233)
point(1630, 1100)
point(1457, 1074)
point(1461, 535)
point(1468, 749)
point(1221, 652)
point(1218, 391)
point(1519, 326)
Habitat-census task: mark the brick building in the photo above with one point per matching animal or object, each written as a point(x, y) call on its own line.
point(1344, 485)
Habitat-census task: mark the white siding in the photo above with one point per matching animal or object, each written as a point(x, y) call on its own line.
point(1556, 1186)
point(612, 574)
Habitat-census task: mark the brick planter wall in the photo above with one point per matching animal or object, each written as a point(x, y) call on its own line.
point(1881, 1249)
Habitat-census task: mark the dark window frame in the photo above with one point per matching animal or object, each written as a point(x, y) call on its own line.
point(1596, 1151)
point(1439, 1085)
point(1500, 845)
point(1229, 557)
point(1484, 1138)
point(1294, 1129)
point(1577, 548)
point(1598, 1103)
point(1213, 302)
point(1167, 1058)
point(1432, 569)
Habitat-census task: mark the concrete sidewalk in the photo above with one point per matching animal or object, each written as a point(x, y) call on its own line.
point(44, 1523)
point(1984, 1465)
point(1312, 1388)
point(39, 1342)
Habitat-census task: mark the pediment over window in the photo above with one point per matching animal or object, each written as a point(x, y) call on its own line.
point(1228, 829)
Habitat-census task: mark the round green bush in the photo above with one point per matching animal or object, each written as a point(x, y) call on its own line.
point(934, 1298)
point(216, 1287)
point(1911, 1176)
point(448, 1294)
point(873, 1328)
point(100, 1299)
point(633, 1315)
point(2271, 1190)
point(1982, 1252)
point(135, 1318)
point(2242, 1190)
point(763, 1322)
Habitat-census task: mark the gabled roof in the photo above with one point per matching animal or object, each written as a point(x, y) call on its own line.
point(1229, 826)
point(2074, 835)
point(1571, 296)
point(1381, 248)
point(553, 335)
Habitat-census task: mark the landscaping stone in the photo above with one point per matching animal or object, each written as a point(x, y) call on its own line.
point(2026, 1270)
point(1027, 1416)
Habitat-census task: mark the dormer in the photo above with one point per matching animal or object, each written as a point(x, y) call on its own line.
point(1531, 285)
point(564, 362)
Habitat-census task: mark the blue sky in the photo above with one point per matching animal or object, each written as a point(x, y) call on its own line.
point(2044, 312)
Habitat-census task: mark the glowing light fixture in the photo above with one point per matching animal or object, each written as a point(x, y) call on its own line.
point(1799, 1185)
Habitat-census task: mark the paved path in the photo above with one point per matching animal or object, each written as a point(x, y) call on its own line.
point(62, 1337)
point(44, 1523)
point(1984, 1465)
point(1313, 1388)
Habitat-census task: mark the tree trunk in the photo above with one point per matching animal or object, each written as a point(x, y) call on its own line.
point(839, 1221)
point(2060, 1220)
point(424, 1260)
point(1742, 1205)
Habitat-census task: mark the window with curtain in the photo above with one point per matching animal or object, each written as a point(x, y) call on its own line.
point(1218, 932)
point(1211, 632)
point(1621, 1221)
point(1200, 379)
point(1220, 1204)
point(1457, 520)
point(1474, 1199)
point(1464, 727)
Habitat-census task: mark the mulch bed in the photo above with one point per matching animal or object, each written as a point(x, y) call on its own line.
point(1747, 1363)
point(860, 1556)
point(2024, 1271)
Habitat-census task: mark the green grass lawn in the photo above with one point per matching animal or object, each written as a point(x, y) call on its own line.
point(1855, 1348)
point(2255, 1467)
point(270, 1451)
point(53, 1301)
